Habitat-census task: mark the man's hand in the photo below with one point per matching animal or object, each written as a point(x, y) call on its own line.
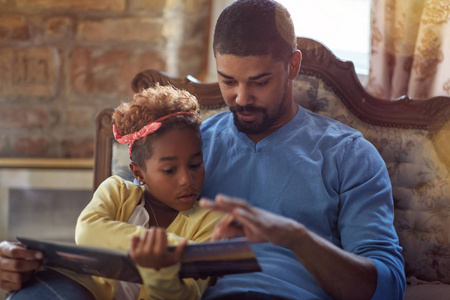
point(320, 257)
point(150, 249)
point(17, 264)
point(255, 224)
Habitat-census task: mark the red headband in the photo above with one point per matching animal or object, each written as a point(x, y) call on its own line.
point(147, 129)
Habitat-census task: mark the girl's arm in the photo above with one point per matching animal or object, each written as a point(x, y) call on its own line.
point(103, 222)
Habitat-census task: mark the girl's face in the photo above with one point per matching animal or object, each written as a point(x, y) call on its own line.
point(175, 172)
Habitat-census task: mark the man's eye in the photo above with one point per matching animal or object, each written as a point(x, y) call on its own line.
point(227, 82)
point(260, 83)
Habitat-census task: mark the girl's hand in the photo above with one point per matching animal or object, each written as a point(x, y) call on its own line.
point(150, 249)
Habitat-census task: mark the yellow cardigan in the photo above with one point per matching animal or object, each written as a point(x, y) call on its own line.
point(103, 224)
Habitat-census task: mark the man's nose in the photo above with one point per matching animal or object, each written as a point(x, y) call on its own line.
point(243, 96)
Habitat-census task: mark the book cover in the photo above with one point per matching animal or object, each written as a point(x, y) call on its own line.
point(198, 260)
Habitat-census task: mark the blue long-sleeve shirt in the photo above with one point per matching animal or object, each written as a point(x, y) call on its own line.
point(320, 173)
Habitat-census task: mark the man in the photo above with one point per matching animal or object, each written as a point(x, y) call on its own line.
point(329, 232)
point(329, 228)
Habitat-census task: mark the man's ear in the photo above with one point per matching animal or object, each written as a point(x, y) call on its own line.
point(294, 64)
point(137, 172)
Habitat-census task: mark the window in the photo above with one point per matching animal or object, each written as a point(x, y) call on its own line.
point(343, 26)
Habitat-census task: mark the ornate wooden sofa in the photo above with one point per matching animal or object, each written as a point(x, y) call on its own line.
point(413, 137)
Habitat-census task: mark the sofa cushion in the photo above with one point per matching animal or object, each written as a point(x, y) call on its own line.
point(420, 290)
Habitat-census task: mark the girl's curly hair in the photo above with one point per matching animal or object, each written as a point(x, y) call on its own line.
point(149, 105)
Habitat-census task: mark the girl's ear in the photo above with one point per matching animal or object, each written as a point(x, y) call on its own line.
point(137, 172)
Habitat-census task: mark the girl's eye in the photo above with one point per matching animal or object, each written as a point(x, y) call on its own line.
point(196, 166)
point(169, 171)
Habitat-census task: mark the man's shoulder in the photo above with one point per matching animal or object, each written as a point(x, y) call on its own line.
point(214, 119)
point(324, 126)
point(215, 124)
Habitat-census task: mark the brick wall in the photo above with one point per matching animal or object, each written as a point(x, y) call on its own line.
point(61, 61)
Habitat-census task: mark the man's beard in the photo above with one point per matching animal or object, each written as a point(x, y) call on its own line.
point(258, 126)
point(253, 127)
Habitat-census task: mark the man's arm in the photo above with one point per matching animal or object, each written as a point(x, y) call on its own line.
point(17, 264)
point(341, 274)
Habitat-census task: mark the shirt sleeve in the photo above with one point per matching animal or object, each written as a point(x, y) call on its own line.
point(103, 221)
point(367, 214)
point(165, 284)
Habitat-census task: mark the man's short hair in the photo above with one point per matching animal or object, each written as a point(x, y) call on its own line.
point(254, 28)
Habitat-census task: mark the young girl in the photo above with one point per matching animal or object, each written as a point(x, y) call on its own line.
point(161, 128)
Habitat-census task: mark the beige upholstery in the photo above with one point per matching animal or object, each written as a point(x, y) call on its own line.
point(413, 137)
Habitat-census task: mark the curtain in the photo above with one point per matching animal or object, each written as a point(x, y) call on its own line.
point(410, 49)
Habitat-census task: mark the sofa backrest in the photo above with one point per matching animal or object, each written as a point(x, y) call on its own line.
point(413, 137)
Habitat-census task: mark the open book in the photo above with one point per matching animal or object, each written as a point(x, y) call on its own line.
point(199, 260)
